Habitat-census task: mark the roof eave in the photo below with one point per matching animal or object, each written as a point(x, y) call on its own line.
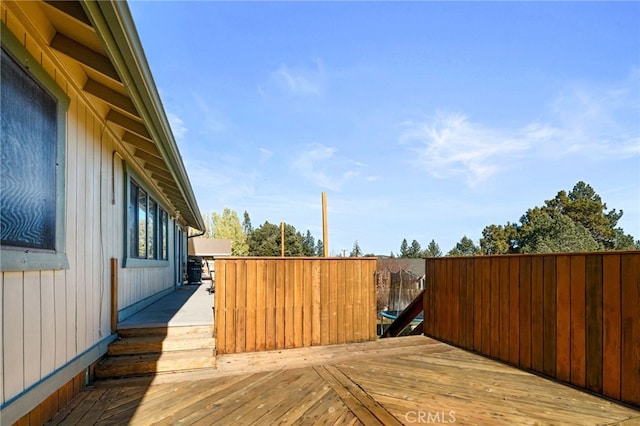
point(114, 23)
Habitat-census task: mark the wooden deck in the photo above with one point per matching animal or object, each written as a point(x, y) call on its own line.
point(409, 380)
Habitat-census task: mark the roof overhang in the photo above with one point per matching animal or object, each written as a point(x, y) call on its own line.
point(99, 45)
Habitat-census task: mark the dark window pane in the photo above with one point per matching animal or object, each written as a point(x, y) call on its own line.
point(142, 223)
point(151, 229)
point(133, 220)
point(28, 160)
point(165, 242)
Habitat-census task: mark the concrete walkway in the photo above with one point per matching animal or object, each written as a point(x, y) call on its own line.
point(188, 305)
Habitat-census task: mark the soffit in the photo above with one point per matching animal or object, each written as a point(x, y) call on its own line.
point(75, 42)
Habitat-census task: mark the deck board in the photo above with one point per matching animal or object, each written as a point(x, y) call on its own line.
point(390, 381)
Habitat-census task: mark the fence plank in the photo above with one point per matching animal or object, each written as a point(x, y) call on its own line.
point(467, 283)
point(525, 312)
point(563, 315)
point(537, 314)
point(514, 313)
point(478, 305)
point(349, 284)
point(230, 311)
point(594, 322)
point(289, 301)
point(280, 304)
point(298, 302)
point(241, 305)
point(504, 308)
point(549, 317)
point(252, 297)
point(340, 302)
point(494, 307)
point(270, 297)
point(437, 298)
point(307, 304)
point(220, 311)
point(611, 325)
point(454, 301)
point(485, 265)
point(316, 321)
point(333, 301)
point(325, 309)
point(630, 272)
point(578, 321)
point(261, 303)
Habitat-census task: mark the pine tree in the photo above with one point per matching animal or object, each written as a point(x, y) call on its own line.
point(356, 252)
point(433, 250)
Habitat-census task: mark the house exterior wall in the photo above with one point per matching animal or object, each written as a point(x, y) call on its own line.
point(57, 322)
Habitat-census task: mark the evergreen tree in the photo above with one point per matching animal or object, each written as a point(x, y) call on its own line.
point(404, 248)
point(465, 247)
point(557, 234)
point(265, 240)
point(584, 206)
point(356, 252)
point(319, 248)
point(433, 250)
point(414, 251)
point(498, 239)
point(246, 225)
point(309, 244)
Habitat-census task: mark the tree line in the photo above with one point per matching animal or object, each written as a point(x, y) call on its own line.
point(574, 221)
point(264, 240)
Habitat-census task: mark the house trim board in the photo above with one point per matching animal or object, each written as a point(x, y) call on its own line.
point(12, 410)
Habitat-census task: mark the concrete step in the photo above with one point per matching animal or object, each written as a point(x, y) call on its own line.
point(152, 363)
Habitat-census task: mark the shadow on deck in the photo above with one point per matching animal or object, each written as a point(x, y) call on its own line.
point(405, 380)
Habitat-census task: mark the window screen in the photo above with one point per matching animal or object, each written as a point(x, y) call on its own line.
point(28, 160)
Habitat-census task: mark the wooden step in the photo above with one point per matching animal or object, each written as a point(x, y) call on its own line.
point(155, 344)
point(151, 363)
point(167, 331)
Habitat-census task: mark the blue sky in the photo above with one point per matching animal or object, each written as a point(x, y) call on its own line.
point(421, 120)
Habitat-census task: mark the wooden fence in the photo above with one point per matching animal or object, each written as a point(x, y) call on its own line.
point(573, 317)
point(277, 303)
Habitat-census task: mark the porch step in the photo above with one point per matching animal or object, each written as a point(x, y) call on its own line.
point(152, 363)
point(157, 344)
point(167, 331)
point(150, 351)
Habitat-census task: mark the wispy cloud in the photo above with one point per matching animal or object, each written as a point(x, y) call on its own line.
point(177, 126)
point(589, 121)
point(299, 81)
point(450, 145)
point(265, 155)
point(209, 117)
point(320, 164)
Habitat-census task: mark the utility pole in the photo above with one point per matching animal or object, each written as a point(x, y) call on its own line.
point(282, 239)
point(325, 230)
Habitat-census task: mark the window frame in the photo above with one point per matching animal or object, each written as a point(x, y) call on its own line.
point(160, 258)
point(14, 258)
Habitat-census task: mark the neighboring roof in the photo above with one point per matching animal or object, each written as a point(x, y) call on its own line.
point(415, 266)
point(209, 247)
point(98, 43)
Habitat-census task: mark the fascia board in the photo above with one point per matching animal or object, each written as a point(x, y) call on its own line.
point(113, 21)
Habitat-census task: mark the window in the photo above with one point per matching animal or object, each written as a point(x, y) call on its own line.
point(32, 171)
point(148, 224)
